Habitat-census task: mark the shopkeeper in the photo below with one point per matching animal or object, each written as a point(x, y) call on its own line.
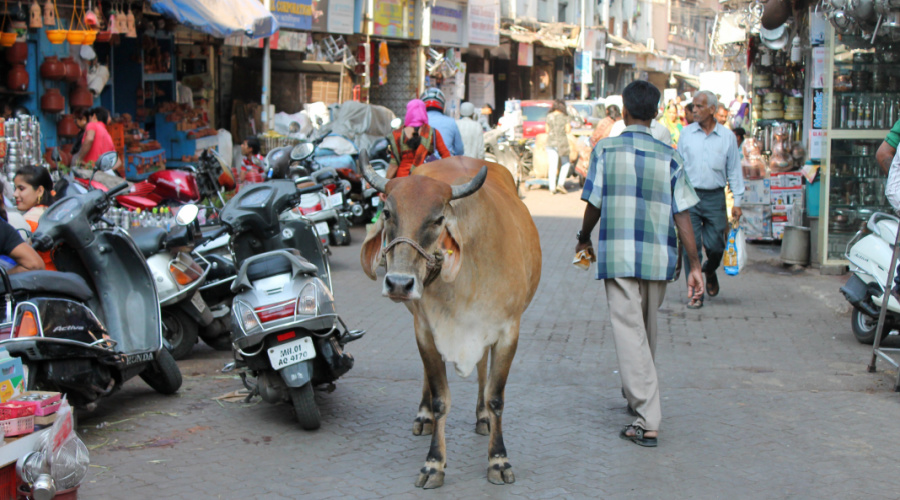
point(885, 153)
point(96, 139)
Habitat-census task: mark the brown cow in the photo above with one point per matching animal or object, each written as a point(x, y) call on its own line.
point(480, 240)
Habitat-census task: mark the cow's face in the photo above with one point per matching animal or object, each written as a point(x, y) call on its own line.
point(418, 210)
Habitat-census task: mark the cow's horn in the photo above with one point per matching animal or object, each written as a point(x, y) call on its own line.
point(470, 187)
point(378, 182)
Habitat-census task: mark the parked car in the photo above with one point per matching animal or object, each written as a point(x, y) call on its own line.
point(534, 116)
point(591, 111)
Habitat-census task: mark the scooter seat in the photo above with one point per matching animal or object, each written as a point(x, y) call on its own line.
point(69, 284)
point(149, 240)
point(271, 264)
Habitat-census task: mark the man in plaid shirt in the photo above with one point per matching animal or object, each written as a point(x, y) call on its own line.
point(639, 187)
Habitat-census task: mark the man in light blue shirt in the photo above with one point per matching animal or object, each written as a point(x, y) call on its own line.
point(711, 160)
point(434, 103)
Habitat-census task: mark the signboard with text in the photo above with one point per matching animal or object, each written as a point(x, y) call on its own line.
point(395, 18)
point(294, 14)
point(447, 24)
point(484, 22)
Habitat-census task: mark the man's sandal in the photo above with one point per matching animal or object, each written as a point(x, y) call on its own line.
point(638, 437)
point(695, 304)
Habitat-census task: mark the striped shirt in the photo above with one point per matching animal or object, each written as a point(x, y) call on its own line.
point(638, 183)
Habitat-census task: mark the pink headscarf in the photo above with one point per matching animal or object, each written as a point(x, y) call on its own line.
point(416, 116)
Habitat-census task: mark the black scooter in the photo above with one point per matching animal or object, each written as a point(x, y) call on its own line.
point(86, 330)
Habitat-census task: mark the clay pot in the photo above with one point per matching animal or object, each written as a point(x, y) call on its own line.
point(17, 78)
point(17, 53)
point(73, 69)
point(52, 101)
point(52, 69)
point(66, 127)
point(81, 97)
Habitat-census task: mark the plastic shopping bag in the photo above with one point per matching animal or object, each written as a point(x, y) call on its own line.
point(735, 252)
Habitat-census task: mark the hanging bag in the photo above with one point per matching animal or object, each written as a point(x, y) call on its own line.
point(735, 251)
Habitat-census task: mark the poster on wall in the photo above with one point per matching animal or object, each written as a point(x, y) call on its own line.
point(583, 71)
point(484, 22)
point(394, 18)
point(447, 24)
point(526, 55)
point(295, 14)
point(332, 16)
point(481, 90)
point(595, 41)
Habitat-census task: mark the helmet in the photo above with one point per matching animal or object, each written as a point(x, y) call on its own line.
point(433, 98)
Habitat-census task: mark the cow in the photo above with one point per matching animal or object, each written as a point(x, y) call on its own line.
point(461, 251)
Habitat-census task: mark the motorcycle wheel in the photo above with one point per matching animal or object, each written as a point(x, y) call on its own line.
point(304, 401)
point(863, 327)
point(162, 374)
point(179, 331)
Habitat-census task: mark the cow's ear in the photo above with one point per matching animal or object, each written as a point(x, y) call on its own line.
point(450, 245)
point(370, 256)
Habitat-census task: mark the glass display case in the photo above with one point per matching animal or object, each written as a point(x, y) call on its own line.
point(862, 92)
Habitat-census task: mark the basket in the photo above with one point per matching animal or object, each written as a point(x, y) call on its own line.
point(18, 426)
point(270, 142)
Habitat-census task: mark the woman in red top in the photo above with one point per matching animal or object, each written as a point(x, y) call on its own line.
point(96, 139)
point(414, 142)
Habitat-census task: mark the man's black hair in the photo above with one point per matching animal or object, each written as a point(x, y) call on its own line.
point(689, 106)
point(253, 144)
point(739, 131)
point(102, 114)
point(641, 99)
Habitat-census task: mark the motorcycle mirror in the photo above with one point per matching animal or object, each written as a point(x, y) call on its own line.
point(187, 214)
point(396, 123)
point(302, 151)
point(107, 161)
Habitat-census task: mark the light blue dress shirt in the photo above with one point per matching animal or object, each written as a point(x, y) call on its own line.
point(449, 131)
point(712, 160)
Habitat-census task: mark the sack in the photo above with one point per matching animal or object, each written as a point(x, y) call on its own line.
point(735, 252)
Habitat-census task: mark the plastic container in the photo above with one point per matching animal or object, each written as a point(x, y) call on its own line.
point(18, 426)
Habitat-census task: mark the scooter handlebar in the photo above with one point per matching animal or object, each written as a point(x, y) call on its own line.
point(41, 242)
point(310, 189)
point(215, 234)
point(116, 190)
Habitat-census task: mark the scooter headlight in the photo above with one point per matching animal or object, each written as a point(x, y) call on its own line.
point(307, 301)
point(246, 317)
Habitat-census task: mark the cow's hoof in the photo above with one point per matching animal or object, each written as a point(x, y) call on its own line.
point(483, 427)
point(430, 478)
point(501, 473)
point(423, 426)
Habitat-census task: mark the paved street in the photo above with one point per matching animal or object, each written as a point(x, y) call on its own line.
point(765, 395)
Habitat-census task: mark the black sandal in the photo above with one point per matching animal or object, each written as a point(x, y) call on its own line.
point(712, 283)
point(638, 438)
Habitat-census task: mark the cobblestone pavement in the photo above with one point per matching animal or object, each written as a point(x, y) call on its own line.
point(765, 395)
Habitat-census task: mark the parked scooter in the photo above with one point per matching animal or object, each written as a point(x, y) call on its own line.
point(95, 324)
point(869, 253)
point(178, 280)
point(286, 332)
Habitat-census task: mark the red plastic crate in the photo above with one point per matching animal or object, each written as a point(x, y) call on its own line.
point(8, 482)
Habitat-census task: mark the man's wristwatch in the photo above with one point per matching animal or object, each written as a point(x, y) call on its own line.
point(582, 238)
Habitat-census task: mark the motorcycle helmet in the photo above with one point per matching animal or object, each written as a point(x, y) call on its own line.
point(434, 99)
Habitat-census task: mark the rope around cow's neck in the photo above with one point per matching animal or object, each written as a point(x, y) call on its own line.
point(433, 262)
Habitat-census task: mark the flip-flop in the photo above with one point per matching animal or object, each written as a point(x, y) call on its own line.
point(695, 304)
point(712, 283)
point(638, 438)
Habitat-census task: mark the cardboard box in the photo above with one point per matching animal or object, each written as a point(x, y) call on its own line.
point(787, 196)
point(12, 377)
point(757, 192)
point(756, 221)
point(786, 179)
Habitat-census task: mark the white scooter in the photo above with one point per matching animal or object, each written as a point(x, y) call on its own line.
point(869, 253)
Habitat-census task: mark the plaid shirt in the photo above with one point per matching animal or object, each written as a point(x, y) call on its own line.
point(638, 183)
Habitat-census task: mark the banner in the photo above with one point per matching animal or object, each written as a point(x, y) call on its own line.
point(395, 18)
point(526, 55)
point(583, 70)
point(481, 90)
point(294, 14)
point(484, 22)
point(332, 16)
point(447, 24)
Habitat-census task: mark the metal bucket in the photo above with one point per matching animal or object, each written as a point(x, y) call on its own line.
point(795, 245)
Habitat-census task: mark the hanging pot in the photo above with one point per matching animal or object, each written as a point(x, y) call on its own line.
point(775, 13)
point(52, 101)
point(52, 69)
point(17, 53)
point(103, 37)
point(73, 69)
point(67, 126)
point(81, 97)
point(49, 14)
point(17, 78)
point(35, 19)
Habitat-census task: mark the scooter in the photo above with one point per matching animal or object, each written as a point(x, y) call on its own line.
point(869, 253)
point(286, 333)
point(87, 329)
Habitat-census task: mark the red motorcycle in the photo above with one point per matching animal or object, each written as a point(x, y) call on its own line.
point(177, 186)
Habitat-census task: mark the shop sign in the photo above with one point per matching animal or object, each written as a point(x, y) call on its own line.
point(282, 40)
point(526, 55)
point(394, 18)
point(447, 24)
point(332, 16)
point(817, 80)
point(583, 71)
point(484, 22)
point(819, 105)
point(481, 89)
point(294, 14)
point(817, 140)
point(595, 41)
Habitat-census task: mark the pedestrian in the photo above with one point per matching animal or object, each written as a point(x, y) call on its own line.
point(671, 122)
point(711, 160)
point(434, 103)
point(484, 118)
point(641, 203)
point(657, 130)
point(33, 194)
point(410, 145)
point(558, 128)
point(81, 121)
point(739, 134)
point(688, 114)
point(722, 114)
point(471, 132)
point(251, 159)
point(601, 131)
point(96, 139)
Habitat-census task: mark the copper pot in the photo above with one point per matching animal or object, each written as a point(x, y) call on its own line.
point(52, 69)
point(775, 13)
point(17, 78)
point(52, 101)
point(73, 70)
point(81, 97)
point(17, 53)
point(67, 126)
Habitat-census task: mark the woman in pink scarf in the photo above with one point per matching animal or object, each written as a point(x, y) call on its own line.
point(414, 142)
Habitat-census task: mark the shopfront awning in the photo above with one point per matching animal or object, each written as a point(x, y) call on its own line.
point(220, 18)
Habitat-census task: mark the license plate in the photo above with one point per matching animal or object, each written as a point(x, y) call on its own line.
point(322, 228)
point(336, 200)
point(284, 355)
point(198, 302)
